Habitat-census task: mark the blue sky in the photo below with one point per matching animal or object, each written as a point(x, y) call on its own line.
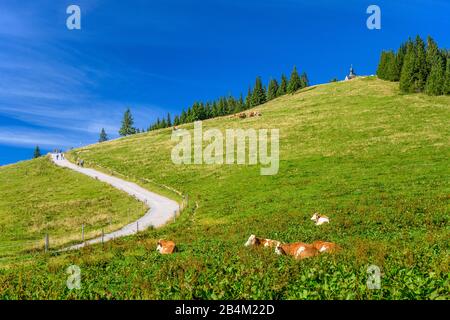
point(58, 87)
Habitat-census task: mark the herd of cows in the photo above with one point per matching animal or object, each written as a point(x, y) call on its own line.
point(243, 115)
point(298, 250)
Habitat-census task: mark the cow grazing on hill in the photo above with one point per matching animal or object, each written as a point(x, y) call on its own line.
point(166, 247)
point(298, 250)
point(252, 114)
point(324, 246)
point(260, 242)
point(320, 219)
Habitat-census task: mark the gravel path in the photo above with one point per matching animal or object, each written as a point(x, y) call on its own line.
point(161, 209)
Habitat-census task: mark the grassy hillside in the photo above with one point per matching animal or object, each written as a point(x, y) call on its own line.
point(373, 160)
point(38, 198)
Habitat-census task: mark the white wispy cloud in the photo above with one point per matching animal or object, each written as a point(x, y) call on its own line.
point(21, 136)
point(54, 89)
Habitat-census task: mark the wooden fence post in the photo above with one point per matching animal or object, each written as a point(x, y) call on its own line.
point(137, 226)
point(82, 232)
point(103, 236)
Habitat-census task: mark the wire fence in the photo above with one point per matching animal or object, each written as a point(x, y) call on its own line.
point(13, 250)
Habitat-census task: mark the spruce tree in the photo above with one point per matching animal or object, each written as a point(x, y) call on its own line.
point(103, 136)
point(127, 124)
point(259, 94)
point(305, 80)
point(37, 152)
point(272, 89)
point(407, 77)
point(208, 110)
point(381, 70)
point(446, 87)
point(248, 99)
point(436, 79)
point(432, 52)
point(282, 89)
point(421, 69)
point(176, 121)
point(399, 59)
point(183, 117)
point(294, 82)
point(391, 72)
point(169, 121)
point(241, 103)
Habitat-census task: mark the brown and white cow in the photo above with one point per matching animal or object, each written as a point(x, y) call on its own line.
point(261, 242)
point(299, 250)
point(320, 219)
point(166, 247)
point(324, 246)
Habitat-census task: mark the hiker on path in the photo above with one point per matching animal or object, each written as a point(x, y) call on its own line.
point(57, 156)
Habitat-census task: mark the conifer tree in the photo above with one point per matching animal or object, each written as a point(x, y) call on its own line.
point(127, 124)
point(446, 87)
point(183, 117)
point(176, 121)
point(208, 111)
point(169, 121)
point(37, 152)
point(241, 103)
point(391, 72)
point(407, 77)
point(248, 99)
point(432, 52)
point(282, 89)
point(305, 80)
point(272, 89)
point(421, 69)
point(103, 136)
point(436, 79)
point(399, 59)
point(259, 95)
point(381, 70)
point(294, 82)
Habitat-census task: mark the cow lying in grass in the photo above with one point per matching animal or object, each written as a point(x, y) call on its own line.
point(324, 246)
point(166, 247)
point(298, 250)
point(320, 219)
point(261, 242)
point(301, 250)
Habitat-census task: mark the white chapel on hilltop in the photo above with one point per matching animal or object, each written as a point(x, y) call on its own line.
point(351, 75)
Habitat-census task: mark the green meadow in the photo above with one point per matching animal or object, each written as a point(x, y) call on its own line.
point(372, 159)
point(39, 198)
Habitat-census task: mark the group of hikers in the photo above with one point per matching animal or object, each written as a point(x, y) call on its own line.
point(80, 162)
point(60, 156)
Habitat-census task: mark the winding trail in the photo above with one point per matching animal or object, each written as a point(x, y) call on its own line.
point(161, 209)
